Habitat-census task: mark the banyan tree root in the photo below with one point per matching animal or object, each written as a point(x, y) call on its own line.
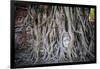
point(53, 34)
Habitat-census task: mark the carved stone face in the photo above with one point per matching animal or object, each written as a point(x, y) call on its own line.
point(66, 39)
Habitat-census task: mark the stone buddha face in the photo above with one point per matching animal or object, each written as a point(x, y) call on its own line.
point(66, 39)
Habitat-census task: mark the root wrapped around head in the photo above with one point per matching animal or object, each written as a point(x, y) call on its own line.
point(60, 35)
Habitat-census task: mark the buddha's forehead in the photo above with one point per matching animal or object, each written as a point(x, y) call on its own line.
point(66, 35)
